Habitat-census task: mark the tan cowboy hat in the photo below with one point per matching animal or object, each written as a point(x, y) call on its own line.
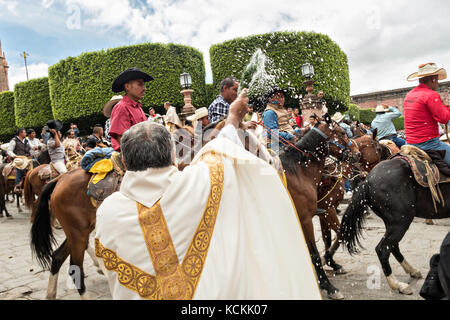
point(444, 137)
point(338, 117)
point(382, 108)
point(107, 109)
point(21, 162)
point(428, 69)
point(199, 113)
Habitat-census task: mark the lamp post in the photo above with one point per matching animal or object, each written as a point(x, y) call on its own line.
point(188, 109)
point(310, 103)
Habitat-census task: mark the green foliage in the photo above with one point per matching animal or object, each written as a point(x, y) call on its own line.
point(7, 120)
point(211, 94)
point(288, 52)
point(399, 123)
point(32, 104)
point(366, 116)
point(353, 112)
point(80, 86)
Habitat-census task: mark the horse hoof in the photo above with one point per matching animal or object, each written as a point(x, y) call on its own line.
point(336, 296)
point(404, 289)
point(341, 271)
point(416, 275)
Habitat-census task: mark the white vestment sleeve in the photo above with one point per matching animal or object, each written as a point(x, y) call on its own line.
point(229, 132)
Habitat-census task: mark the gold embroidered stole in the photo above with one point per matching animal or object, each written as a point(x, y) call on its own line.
point(173, 281)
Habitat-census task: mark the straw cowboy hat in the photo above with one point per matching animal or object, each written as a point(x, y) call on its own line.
point(107, 109)
point(21, 162)
point(199, 113)
point(428, 69)
point(338, 117)
point(127, 76)
point(381, 108)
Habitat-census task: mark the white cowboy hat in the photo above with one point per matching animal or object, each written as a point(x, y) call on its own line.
point(338, 117)
point(428, 69)
point(107, 109)
point(4, 146)
point(444, 137)
point(381, 108)
point(21, 162)
point(199, 113)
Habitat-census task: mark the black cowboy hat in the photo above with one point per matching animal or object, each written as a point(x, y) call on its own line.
point(91, 143)
point(272, 91)
point(55, 124)
point(127, 76)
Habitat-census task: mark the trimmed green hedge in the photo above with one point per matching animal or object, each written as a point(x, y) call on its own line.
point(32, 103)
point(7, 121)
point(289, 51)
point(353, 112)
point(80, 86)
point(211, 93)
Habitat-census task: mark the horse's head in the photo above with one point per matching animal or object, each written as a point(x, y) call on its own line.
point(371, 151)
point(340, 145)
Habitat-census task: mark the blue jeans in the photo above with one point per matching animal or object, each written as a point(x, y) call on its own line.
point(435, 144)
point(19, 175)
point(348, 186)
point(398, 141)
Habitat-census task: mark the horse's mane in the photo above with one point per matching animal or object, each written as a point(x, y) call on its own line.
point(311, 142)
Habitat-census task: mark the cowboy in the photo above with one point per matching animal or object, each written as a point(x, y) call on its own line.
point(338, 118)
point(200, 121)
point(128, 111)
point(19, 148)
point(276, 120)
point(35, 145)
point(228, 93)
point(97, 136)
point(383, 123)
point(107, 109)
point(171, 118)
point(423, 109)
point(182, 235)
point(71, 143)
point(55, 146)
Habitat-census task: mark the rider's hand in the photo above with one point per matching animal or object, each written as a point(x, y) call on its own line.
point(238, 109)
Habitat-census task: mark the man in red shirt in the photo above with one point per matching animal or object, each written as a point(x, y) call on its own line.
point(128, 111)
point(424, 109)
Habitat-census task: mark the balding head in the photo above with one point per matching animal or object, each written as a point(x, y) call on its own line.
point(147, 145)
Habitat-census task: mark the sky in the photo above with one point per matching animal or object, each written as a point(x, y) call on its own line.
point(385, 41)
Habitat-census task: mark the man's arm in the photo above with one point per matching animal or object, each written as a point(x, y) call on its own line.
point(438, 110)
point(394, 114)
point(11, 147)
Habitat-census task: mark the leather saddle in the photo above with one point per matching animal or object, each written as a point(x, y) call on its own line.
point(48, 173)
point(425, 171)
point(9, 172)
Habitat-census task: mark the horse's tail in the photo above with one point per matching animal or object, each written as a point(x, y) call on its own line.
point(41, 231)
point(28, 190)
point(354, 217)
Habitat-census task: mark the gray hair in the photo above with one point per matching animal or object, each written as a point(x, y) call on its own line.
point(227, 83)
point(147, 145)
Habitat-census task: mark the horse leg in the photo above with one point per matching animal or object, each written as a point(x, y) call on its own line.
point(384, 248)
point(333, 223)
point(324, 282)
point(76, 270)
point(413, 272)
point(58, 258)
point(19, 209)
point(91, 253)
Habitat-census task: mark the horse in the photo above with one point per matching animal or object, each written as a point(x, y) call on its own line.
point(33, 184)
point(8, 185)
point(391, 191)
point(331, 193)
point(304, 163)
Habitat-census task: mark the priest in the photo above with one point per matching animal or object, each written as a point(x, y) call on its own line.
point(206, 232)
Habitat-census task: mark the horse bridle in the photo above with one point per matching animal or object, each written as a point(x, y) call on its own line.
point(346, 149)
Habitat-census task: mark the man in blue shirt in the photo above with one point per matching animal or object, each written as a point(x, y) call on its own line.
point(220, 106)
point(383, 122)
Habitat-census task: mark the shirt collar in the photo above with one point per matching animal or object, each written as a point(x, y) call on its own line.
point(130, 102)
point(147, 187)
point(423, 86)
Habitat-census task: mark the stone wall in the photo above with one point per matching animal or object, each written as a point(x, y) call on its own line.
point(395, 97)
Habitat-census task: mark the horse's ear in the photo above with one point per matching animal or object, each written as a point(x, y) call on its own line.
point(374, 134)
point(327, 118)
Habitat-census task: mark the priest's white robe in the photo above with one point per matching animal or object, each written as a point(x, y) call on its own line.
point(256, 251)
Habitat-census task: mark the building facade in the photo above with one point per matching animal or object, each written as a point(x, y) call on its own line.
point(395, 97)
point(4, 86)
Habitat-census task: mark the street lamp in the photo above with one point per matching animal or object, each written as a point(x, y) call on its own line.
point(186, 83)
point(310, 103)
point(307, 70)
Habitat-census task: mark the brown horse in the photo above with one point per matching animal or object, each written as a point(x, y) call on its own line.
point(331, 193)
point(304, 172)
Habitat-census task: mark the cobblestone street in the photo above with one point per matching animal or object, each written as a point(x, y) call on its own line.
point(22, 278)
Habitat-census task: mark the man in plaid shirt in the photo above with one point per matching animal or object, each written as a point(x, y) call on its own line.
point(220, 106)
